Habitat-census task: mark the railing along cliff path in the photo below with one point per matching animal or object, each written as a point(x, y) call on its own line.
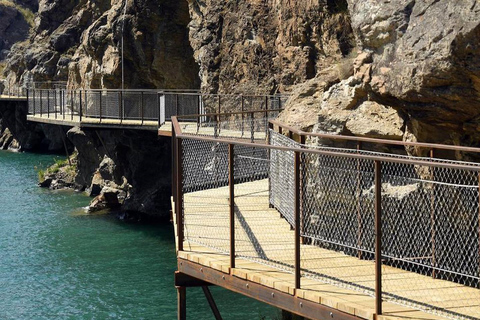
point(143, 109)
point(326, 231)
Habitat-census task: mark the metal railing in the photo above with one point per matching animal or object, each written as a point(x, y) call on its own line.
point(395, 227)
point(13, 90)
point(142, 105)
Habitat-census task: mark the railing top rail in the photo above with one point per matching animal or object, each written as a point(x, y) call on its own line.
point(170, 91)
point(227, 113)
point(411, 161)
point(375, 140)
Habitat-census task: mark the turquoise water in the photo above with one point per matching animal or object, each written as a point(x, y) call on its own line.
point(56, 262)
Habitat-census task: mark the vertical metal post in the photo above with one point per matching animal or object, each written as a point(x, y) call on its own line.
point(174, 164)
point(142, 106)
point(216, 127)
point(432, 218)
point(55, 103)
point(85, 103)
point(100, 100)
point(48, 104)
point(252, 127)
point(219, 104)
point(34, 103)
point(181, 303)
point(478, 222)
point(378, 237)
point(122, 107)
point(297, 219)
point(242, 110)
point(266, 111)
point(160, 118)
point(198, 110)
point(179, 198)
point(72, 108)
point(359, 206)
point(176, 104)
point(231, 186)
point(80, 111)
point(63, 103)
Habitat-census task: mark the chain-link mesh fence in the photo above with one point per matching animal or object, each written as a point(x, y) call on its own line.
point(429, 211)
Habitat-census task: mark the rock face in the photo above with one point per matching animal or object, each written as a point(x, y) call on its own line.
point(419, 61)
point(130, 167)
point(17, 133)
point(13, 27)
point(81, 42)
point(266, 46)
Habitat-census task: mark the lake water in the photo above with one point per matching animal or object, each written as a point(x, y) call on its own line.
point(56, 262)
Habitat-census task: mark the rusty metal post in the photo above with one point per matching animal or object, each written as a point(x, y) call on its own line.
point(478, 222)
point(231, 186)
point(181, 303)
point(378, 237)
point(174, 166)
point(243, 116)
point(266, 111)
point(432, 217)
point(179, 193)
point(359, 206)
point(297, 219)
point(211, 303)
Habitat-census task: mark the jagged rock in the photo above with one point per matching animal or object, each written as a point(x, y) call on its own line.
point(5, 139)
point(96, 185)
point(45, 183)
point(13, 28)
point(374, 120)
point(254, 46)
point(426, 59)
point(137, 161)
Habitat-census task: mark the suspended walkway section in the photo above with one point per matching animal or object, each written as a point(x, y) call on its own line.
point(134, 109)
point(327, 227)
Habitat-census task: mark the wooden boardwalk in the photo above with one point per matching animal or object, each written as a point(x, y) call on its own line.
point(13, 98)
point(192, 128)
point(69, 120)
point(265, 253)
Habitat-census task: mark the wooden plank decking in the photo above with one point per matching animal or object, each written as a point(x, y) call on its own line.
point(265, 246)
point(194, 129)
point(12, 98)
point(110, 123)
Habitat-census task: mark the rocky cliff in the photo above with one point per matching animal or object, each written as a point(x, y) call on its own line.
point(415, 75)
point(266, 46)
point(15, 22)
point(405, 70)
point(81, 41)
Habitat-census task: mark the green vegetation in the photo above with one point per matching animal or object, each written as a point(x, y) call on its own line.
point(59, 164)
point(27, 14)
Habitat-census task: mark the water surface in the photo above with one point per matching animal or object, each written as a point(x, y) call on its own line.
point(56, 262)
